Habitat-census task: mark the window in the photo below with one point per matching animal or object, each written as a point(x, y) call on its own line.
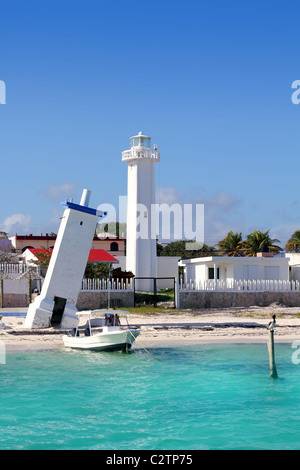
point(250, 272)
point(211, 273)
point(272, 273)
point(114, 246)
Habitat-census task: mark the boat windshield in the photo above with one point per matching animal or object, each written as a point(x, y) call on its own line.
point(111, 317)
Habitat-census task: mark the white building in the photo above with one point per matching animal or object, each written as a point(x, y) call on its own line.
point(294, 265)
point(20, 243)
point(230, 269)
point(141, 230)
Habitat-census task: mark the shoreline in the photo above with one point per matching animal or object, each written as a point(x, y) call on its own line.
point(161, 328)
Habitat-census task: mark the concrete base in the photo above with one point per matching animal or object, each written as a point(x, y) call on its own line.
point(40, 312)
point(70, 319)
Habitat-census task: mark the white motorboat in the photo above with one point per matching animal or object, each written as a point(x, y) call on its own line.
point(102, 332)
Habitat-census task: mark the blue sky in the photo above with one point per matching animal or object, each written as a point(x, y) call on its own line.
point(209, 81)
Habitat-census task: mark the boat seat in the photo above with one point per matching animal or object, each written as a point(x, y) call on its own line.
point(87, 332)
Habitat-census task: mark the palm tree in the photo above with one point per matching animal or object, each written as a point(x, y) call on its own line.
point(231, 245)
point(257, 240)
point(293, 244)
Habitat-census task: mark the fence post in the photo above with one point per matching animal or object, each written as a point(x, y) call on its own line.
point(176, 294)
point(2, 295)
point(273, 370)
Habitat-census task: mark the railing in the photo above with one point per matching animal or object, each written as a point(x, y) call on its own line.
point(14, 268)
point(133, 154)
point(262, 285)
point(105, 285)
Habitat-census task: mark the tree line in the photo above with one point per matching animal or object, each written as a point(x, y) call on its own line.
point(233, 244)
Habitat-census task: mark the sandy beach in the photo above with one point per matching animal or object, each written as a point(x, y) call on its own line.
point(165, 329)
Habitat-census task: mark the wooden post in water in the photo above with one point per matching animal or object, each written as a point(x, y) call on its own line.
point(273, 370)
point(2, 296)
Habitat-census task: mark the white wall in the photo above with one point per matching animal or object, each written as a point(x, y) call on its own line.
point(190, 273)
point(121, 264)
point(16, 287)
point(167, 266)
point(294, 263)
point(229, 273)
point(201, 272)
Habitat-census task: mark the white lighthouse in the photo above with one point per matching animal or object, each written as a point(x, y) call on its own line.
point(141, 230)
point(56, 304)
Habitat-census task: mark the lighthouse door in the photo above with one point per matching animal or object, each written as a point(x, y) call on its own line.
point(58, 310)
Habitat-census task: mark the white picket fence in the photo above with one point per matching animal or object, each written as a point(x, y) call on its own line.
point(14, 268)
point(106, 285)
point(263, 285)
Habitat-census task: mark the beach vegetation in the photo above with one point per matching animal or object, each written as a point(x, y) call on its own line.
point(256, 241)
point(9, 258)
point(231, 245)
point(96, 270)
point(179, 248)
point(293, 244)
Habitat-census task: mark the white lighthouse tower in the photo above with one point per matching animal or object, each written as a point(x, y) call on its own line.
point(56, 304)
point(141, 230)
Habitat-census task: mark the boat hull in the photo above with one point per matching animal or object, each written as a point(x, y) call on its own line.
point(112, 341)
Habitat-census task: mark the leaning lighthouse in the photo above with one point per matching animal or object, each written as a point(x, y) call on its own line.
point(141, 230)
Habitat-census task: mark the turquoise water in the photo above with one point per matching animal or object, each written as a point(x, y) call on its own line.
point(197, 397)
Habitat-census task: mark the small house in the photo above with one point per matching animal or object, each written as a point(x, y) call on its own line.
point(230, 269)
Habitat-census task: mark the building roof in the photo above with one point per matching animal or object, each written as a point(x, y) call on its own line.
point(34, 237)
point(232, 260)
point(95, 256)
point(36, 251)
point(105, 236)
point(101, 256)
